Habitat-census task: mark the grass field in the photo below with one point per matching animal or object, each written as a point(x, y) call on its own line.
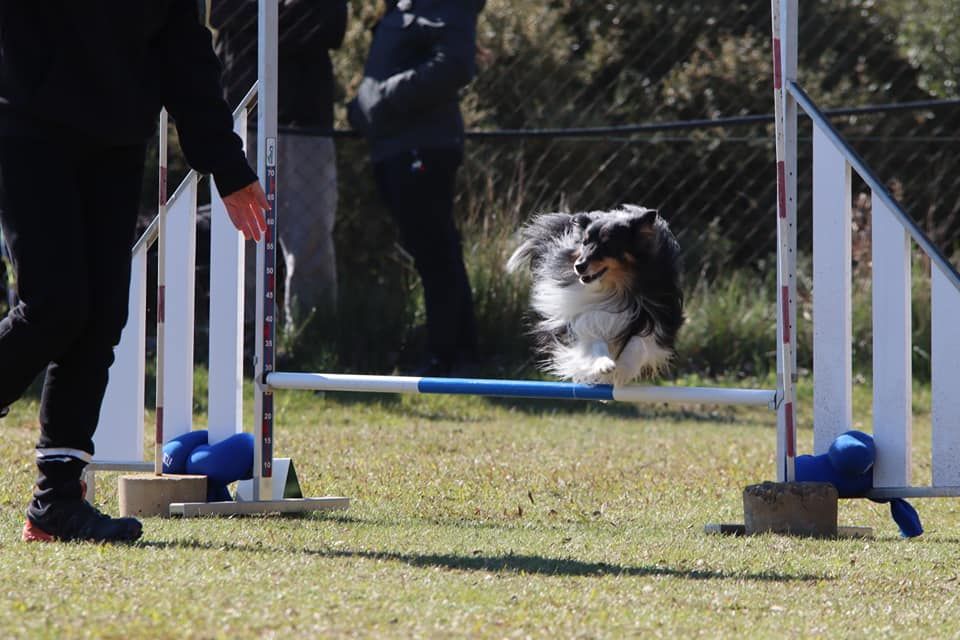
point(485, 518)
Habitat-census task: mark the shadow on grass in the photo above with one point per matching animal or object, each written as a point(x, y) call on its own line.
point(541, 565)
point(521, 564)
point(588, 408)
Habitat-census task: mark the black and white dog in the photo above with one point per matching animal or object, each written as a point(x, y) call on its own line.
point(606, 292)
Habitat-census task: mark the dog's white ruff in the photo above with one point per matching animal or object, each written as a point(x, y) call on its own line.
point(588, 312)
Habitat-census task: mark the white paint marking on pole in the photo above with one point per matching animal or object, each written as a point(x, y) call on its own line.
point(945, 374)
point(892, 399)
point(343, 382)
point(694, 395)
point(225, 390)
point(832, 325)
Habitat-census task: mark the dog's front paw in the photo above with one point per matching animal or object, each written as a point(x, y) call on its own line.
point(601, 367)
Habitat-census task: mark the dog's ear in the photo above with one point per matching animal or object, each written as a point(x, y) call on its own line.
point(642, 224)
point(581, 220)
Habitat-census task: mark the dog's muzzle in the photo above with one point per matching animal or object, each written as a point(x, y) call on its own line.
point(587, 278)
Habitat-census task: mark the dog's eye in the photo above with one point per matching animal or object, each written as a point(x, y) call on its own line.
point(581, 220)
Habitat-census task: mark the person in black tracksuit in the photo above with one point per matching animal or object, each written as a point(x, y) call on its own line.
point(81, 86)
point(407, 106)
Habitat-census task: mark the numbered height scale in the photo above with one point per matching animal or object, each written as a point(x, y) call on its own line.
point(269, 310)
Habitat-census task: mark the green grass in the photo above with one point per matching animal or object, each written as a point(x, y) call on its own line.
point(486, 518)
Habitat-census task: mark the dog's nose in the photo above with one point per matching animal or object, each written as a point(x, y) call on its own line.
point(580, 266)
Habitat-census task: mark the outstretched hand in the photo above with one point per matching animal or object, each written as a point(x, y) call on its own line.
point(245, 208)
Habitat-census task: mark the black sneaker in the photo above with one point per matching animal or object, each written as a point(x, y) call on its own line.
point(78, 520)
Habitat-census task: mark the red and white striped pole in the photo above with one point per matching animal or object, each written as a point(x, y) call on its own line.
point(784, 14)
point(161, 291)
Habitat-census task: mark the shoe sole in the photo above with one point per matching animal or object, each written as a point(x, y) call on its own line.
point(33, 533)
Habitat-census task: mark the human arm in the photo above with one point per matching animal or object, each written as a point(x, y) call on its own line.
point(192, 93)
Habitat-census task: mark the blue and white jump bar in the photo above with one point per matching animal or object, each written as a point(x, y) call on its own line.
point(520, 389)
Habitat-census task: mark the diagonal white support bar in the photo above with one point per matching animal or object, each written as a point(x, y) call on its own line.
point(119, 434)
point(892, 380)
point(945, 374)
point(832, 325)
point(225, 388)
point(179, 268)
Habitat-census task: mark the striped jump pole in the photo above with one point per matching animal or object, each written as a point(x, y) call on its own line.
point(161, 293)
point(784, 46)
point(519, 389)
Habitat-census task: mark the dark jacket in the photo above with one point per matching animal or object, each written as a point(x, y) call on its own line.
point(309, 29)
point(100, 70)
point(422, 54)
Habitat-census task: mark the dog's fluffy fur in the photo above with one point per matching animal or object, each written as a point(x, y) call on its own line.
point(606, 292)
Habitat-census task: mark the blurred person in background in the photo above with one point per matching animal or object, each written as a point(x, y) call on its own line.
point(307, 171)
point(407, 106)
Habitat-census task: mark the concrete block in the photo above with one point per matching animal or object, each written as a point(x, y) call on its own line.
point(795, 508)
point(146, 494)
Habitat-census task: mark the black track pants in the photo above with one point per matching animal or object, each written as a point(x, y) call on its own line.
point(69, 216)
point(418, 188)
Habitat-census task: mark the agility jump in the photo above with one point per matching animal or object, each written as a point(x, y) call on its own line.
point(120, 434)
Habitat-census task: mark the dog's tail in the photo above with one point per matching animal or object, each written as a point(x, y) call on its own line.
point(521, 257)
point(538, 237)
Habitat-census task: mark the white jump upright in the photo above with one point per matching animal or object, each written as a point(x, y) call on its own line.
point(832, 293)
point(894, 236)
point(225, 373)
point(119, 439)
point(120, 433)
point(175, 377)
point(892, 369)
point(945, 372)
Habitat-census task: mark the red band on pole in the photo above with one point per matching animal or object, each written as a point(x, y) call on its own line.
point(777, 73)
point(161, 303)
point(781, 189)
point(163, 185)
point(158, 439)
point(785, 307)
